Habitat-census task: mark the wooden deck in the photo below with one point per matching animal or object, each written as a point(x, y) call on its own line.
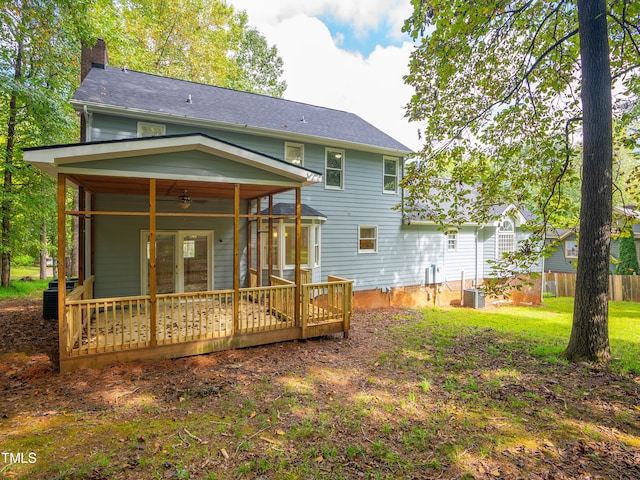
point(99, 332)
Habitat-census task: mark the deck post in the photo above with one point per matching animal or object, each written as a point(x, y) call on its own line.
point(62, 281)
point(82, 206)
point(258, 244)
point(270, 240)
point(298, 254)
point(236, 258)
point(153, 304)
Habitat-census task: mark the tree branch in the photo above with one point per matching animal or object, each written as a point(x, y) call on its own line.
point(512, 91)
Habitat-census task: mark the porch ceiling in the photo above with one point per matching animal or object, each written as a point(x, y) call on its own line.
point(172, 188)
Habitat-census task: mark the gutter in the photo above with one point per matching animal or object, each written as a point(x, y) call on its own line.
point(81, 106)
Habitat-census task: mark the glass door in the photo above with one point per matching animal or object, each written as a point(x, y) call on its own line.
point(184, 261)
point(195, 271)
point(166, 263)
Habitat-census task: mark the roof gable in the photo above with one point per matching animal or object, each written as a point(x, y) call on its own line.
point(118, 158)
point(139, 93)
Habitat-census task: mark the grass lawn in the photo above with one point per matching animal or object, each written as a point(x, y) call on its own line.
point(440, 393)
point(18, 289)
point(544, 331)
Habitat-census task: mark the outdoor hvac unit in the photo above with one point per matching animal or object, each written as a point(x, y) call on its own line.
point(473, 298)
point(434, 274)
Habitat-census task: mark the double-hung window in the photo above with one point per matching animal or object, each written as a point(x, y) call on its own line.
point(367, 239)
point(334, 169)
point(390, 175)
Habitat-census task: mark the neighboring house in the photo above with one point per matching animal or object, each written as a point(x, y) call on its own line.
point(219, 186)
point(564, 258)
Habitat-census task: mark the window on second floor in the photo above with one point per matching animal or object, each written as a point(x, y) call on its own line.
point(334, 169)
point(390, 175)
point(294, 153)
point(146, 129)
point(506, 237)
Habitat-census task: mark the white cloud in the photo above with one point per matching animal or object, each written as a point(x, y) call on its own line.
point(319, 72)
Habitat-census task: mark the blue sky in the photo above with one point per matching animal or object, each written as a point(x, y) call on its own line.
point(349, 55)
point(362, 41)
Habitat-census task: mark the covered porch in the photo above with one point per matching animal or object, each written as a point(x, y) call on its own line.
point(246, 304)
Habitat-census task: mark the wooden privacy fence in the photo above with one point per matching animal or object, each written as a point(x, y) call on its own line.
point(621, 287)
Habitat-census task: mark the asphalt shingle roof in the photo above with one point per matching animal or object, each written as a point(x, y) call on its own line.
point(143, 92)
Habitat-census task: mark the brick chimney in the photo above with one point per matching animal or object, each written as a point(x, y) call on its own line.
point(96, 56)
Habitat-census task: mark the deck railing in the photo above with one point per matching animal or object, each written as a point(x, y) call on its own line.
point(111, 325)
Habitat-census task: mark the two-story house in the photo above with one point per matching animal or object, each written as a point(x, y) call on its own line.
point(212, 218)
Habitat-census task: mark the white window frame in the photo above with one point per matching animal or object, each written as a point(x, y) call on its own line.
point(142, 126)
point(178, 256)
point(571, 249)
point(279, 233)
point(374, 239)
point(452, 236)
point(316, 245)
point(294, 145)
point(385, 175)
point(291, 227)
point(504, 234)
point(341, 152)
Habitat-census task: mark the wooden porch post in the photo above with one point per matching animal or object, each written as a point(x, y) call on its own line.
point(298, 276)
point(82, 225)
point(152, 262)
point(270, 240)
point(236, 258)
point(62, 281)
point(258, 244)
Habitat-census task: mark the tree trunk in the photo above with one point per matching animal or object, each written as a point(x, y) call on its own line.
point(7, 186)
point(589, 334)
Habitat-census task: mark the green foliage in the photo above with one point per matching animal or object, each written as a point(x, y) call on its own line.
point(628, 256)
point(19, 289)
point(198, 40)
point(39, 68)
point(497, 88)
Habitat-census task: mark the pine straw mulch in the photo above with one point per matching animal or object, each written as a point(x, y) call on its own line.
point(561, 421)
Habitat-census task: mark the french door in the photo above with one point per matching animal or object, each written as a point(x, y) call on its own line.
point(184, 261)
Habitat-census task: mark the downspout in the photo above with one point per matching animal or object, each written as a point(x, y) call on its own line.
point(475, 268)
point(88, 120)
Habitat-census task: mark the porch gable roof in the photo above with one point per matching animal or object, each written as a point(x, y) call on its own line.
point(105, 159)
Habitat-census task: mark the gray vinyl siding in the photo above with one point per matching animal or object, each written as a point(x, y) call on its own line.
point(404, 252)
point(190, 163)
point(117, 242)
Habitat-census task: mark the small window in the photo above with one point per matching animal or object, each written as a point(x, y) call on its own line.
point(390, 176)
point(571, 249)
point(294, 153)
point(316, 246)
point(506, 237)
point(452, 240)
point(334, 169)
point(367, 239)
point(290, 246)
point(151, 129)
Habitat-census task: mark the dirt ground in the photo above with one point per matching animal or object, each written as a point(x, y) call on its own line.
point(28, 349)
